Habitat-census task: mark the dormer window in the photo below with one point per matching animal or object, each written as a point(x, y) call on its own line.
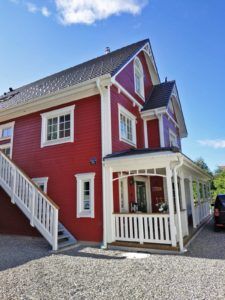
point(139, 78)
point(173, 139)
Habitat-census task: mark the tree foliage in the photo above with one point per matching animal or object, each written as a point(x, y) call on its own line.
point(202, 164)
point(219, 182)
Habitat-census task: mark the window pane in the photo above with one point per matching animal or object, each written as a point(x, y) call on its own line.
point(86, 195)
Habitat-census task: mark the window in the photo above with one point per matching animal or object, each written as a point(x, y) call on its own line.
point(42, 183)
point(85, 195)
point(139, 78)
point(173, 139)
point(58, 126)
point(6, 131)
point(127, 126)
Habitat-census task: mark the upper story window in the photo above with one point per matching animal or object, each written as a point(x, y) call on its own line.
point(85, 195)
point(6, 131)
point(127, 126)
point(173, 139)
point(58, 126)
point(139, 78)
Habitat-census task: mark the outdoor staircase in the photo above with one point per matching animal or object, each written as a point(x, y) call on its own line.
point(36, 205)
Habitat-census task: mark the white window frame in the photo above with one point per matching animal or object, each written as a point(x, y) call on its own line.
point(41, 181)
point(81, 178)
point(52, 114)
point(122, 110)
point(9, 138)
point(172, 134)
point(138, 68)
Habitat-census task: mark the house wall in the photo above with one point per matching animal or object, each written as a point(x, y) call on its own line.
point(119, 98)
point(126, 78)
point(153, 133)
point(61, 162)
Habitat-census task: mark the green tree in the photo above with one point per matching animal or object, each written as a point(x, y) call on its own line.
point(219, 182)
point(202, 164)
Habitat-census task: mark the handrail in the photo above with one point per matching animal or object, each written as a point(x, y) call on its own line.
point(28, 179)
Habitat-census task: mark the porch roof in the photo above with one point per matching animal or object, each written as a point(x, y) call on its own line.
point(156, 157)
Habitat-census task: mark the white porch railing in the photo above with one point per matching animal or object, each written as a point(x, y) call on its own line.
point(38, 207)
point(201, 211)
point(142, 228)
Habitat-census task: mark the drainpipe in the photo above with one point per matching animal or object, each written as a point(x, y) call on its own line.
point(180, 163)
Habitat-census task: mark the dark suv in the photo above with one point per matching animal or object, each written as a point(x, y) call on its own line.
point(219, 212)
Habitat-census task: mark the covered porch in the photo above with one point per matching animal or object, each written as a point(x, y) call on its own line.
point(153, 197)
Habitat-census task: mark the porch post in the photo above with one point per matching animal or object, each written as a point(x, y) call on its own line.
point(192, 201)
point(181, 242)
point(184, 200)
point(171, 206)
point(108, 220)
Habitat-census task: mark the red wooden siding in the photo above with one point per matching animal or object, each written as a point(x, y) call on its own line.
point(126, 78)
point(116, 99)
point(61, 162)
point(157, 192)
point(153, 133)
point(12, 220)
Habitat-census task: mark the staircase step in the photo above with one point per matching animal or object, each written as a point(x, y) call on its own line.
point(66, 244)
point(63, 237)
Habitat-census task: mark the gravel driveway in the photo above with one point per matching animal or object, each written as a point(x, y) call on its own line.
point(28, 271)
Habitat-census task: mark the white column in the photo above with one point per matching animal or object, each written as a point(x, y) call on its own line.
point(180, 233)
point(171, 206)
point(146, 133)
point(192, 201)
point(161, 130)
point(184, 201)
point(108, 207)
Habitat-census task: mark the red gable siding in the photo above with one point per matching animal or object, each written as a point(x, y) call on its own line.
point(61, 162)
point(153, 133)
point(126, 78)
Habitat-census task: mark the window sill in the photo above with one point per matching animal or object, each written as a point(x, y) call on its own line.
point(85, 215)
point(128, 142)
point(56, 142)
point(5, 139)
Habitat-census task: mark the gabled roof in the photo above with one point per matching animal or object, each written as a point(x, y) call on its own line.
point(160, 95)
point(106, 64)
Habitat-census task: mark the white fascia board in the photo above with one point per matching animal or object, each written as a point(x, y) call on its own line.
point(73, 93)
point(153, 112)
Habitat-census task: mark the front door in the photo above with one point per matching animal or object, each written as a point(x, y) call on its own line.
point(141, 196)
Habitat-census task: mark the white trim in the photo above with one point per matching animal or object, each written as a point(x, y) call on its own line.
point(125, 195)
point(145, 133)
point(137, 67)
point(52, 114)
point(122, 110)
point(41, 180)
point(147, 188)
point(161, 130)
point(81, 178)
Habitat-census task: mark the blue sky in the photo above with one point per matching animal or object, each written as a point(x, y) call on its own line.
point(39, 38)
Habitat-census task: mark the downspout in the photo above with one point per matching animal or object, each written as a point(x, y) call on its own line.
point(177, 200)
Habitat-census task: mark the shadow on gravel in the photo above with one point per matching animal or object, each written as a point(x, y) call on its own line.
point(208, 244)
point(18, 250)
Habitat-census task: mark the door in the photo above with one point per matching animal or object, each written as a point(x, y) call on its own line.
point(157, 192)
point(141, 196)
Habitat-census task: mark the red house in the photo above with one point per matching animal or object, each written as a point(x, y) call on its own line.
point(93, 153)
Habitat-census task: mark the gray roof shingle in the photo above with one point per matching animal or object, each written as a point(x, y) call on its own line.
point(105, 64)
point(159, 96)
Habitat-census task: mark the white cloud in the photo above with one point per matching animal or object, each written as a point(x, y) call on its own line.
point(31, 7)
point(213, 143)
point(45, 11)
point(89, 11)
point(14, 1)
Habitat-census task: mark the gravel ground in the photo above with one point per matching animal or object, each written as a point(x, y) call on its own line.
point(29, 271)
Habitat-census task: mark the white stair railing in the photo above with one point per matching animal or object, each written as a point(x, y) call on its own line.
point(37, 206)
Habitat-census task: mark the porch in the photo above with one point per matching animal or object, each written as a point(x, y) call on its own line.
point(155, 199)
